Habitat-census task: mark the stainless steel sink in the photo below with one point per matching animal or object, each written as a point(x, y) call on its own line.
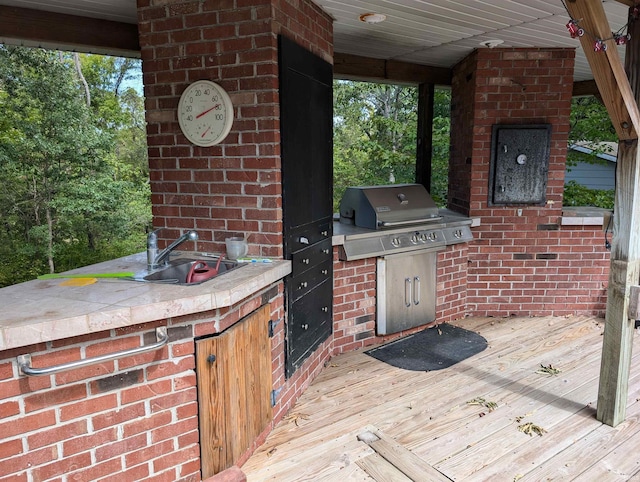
point(178, 269)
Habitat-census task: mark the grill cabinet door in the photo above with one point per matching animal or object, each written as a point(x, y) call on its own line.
point(406, 291)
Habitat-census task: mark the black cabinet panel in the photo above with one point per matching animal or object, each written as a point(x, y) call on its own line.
point(306, 129)
point(304, 236)
point(300, 285)
point(519, 164)
point(305, 259)
point(309, 325)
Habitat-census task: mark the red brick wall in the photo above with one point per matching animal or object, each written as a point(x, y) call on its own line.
point(233, 188)
point(522, 263)
point(135, 418)
point(452, 283)
point(461, 145)
point(354, 303)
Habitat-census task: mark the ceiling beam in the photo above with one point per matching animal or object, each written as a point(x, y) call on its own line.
point(38, 28)
point(608, 71)
point(354, 67)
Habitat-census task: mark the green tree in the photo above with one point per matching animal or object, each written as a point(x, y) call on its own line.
point(67, 203)
point(590, 122)
point(375, 135)
point(440, 146)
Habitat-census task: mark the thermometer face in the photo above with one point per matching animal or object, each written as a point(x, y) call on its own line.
point(205, 113)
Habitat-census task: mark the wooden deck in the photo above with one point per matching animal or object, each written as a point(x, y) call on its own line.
point(364, 420)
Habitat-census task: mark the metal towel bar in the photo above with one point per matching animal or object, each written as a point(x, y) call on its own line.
point(24, 361)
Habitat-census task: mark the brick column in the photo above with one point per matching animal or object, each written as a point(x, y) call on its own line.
point(232, 188)
point(523, 261)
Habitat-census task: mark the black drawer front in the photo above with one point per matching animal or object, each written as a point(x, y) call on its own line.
point(307, 258)
point(311, 340)
point(300, 285)
point(302, 237)
point(310, 321)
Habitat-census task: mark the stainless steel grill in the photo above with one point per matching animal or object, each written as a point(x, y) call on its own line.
point(384, 220)
point(402, 226)
point(378, 207)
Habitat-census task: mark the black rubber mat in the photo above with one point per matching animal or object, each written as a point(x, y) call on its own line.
point(431, 349)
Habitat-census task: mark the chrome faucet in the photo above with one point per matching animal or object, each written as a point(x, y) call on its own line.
point(155, 259)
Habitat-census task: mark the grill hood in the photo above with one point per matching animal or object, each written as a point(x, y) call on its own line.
point(396, 205)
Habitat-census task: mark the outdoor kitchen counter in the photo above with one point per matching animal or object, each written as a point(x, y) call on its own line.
point(45, 310)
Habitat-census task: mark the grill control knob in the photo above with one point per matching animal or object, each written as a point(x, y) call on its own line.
point(457, 233)
point(395, 242)
point(414, 239)
point(432, 236)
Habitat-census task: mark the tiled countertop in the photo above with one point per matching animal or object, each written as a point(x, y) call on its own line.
point(46, 310)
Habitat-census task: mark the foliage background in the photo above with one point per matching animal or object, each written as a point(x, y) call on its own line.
point(374, 141)
point(74, 164)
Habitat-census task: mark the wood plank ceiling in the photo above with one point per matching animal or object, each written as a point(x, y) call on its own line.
point(436, 33)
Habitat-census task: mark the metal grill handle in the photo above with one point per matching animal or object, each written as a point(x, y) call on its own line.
point(407, 292)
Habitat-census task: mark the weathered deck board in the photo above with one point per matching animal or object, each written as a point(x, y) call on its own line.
point(427, 414)
point(588, 449)
point(400, 457)
point(518, 398)
point(381, 470)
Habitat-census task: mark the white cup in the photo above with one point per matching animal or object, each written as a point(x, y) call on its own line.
point(236, 247)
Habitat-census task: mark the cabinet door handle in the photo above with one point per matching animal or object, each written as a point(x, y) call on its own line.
point(325, 309)
point(407, 292)
point(303, 284)
point(303, 240)
point(325, 233)
point(325, 251)
point(305, 261)
point(305, 326)
point(325, 272)
point(416, 290)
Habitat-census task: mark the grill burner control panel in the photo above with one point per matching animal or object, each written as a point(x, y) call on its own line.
point(422, 239)
point(383, 243)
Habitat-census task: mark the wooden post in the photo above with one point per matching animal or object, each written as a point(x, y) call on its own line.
point(624, 272)
point(625, 265)
point(425, 134)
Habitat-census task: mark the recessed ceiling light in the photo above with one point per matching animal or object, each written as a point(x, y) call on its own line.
point(491, 43)
point(372, 17)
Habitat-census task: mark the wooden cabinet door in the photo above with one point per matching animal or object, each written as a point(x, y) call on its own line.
point(234, 390)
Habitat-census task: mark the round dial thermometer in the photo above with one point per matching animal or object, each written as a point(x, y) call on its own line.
point(205, 113)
